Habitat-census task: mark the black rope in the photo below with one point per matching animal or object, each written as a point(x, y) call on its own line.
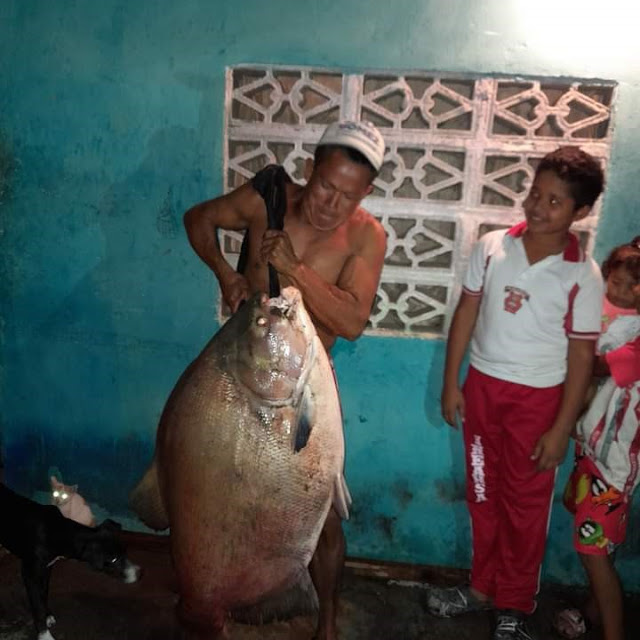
point(270, 183)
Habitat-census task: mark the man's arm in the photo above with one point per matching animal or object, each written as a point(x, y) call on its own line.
point(462, 325)
point(344, 308)
point(233, 211)
point(552, 446)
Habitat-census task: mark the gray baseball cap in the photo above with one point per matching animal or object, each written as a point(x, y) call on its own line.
point(362, 136)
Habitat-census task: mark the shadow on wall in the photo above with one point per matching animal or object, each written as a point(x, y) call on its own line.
point(7, 169)
point(105, 469)
point(108, 352)
point(451, 488)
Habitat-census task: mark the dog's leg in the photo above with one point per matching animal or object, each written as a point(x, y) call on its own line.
point(35, 576)
point(50, 620)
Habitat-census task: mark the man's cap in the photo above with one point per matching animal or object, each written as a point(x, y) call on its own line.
point(362, 136)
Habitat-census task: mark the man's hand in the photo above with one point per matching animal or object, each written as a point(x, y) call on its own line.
point(278, 250)
point(235, 290)
point(551, 449)
point(452, 404)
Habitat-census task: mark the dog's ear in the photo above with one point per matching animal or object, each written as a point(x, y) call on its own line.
point(110, 525)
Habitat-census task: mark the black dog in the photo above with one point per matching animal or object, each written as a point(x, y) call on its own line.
point(39, 535)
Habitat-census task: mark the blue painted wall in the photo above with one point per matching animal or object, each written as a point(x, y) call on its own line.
point(111, 126)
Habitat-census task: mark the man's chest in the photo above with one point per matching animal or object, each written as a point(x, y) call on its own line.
point(326, 254)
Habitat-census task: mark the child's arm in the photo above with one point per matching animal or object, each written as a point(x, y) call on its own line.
point(552, 446)
point(462, 324)
point(624, 363)
point(601, 366)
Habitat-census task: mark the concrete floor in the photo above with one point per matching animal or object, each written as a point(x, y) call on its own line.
point(90, 606)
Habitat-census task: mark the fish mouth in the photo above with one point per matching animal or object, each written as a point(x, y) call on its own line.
point(289, 305)
point(288, 299)
point(282, 353)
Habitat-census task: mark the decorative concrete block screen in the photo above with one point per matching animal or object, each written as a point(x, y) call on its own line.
point(461, 154)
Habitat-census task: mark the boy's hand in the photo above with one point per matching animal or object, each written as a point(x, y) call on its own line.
point(551, 449)
point(452, 404)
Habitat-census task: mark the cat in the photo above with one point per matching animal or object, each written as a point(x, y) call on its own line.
point(71, 504)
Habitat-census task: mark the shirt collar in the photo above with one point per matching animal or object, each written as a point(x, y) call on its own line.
point(572, 252)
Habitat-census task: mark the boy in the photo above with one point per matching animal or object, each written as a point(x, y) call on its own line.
point(530, 307)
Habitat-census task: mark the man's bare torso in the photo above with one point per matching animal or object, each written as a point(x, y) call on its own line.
point(326, 252)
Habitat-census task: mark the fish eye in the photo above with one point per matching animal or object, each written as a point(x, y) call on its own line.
point(261, 321)
point(113, 560)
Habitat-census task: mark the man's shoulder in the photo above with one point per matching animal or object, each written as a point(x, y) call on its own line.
point(365, 226)
point(363, 219)
point(293, 189)
point(247, 195)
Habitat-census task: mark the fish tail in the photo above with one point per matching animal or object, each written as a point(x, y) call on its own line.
point(146, 501)
point(298, 599)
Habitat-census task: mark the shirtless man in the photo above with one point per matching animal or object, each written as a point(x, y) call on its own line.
point(331, 250)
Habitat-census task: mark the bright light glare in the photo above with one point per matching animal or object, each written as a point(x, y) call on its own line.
point(590, 33)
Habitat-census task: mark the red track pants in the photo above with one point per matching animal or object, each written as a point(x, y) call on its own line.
point(509, 500)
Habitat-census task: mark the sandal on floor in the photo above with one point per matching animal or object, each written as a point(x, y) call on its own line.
point(570, 623)
point(454, 601)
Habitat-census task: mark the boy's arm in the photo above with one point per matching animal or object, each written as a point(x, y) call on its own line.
point(461, 330)
point(233, 211)
point(462, 325)
point(552, 446)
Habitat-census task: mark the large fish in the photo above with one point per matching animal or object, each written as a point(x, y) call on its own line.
point(249, 458)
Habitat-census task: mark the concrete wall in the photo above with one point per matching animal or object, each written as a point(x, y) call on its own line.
point(111, 119)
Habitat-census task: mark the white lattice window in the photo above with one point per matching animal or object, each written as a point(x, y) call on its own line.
point(461, 155)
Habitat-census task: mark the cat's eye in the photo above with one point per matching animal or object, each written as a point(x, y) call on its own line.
point(56, 494)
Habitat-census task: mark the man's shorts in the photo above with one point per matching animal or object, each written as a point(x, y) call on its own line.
point(600, 510)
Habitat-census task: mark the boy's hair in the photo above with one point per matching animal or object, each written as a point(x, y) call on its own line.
point(626, 256)
point(580, 170)
point(354, 155)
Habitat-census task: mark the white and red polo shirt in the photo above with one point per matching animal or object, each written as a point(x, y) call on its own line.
point(529, 311)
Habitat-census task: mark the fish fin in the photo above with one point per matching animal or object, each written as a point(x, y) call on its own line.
point(145, 500)
point(303, 425)
point(298, 599)
point(341, 497)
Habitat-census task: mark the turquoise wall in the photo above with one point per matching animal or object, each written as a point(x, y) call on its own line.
point(111, 126)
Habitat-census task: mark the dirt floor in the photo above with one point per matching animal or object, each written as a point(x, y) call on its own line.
point(90, 606)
